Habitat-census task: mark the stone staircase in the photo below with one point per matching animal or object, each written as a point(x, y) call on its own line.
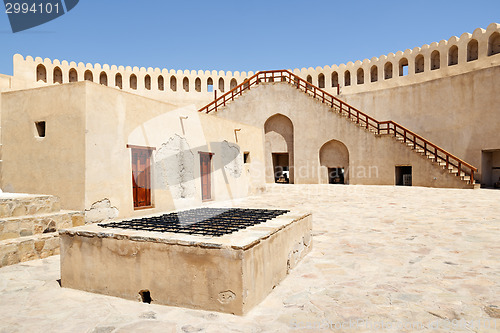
point(452, 169)
point(436, 155)
point(29, 226)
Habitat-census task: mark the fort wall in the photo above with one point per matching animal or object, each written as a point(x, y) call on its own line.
point(454, 56)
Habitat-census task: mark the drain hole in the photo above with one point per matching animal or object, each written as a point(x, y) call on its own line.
point(145, 296)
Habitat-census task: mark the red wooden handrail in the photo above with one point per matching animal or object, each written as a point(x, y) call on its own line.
point(348, 111)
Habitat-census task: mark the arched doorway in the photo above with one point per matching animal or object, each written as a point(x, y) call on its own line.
point(334, 161)
point(278, 131)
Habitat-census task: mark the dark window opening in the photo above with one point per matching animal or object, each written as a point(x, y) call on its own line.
point(281, 168)
point(145, 296)
point(210, 85)
point(40, 128)
point(403, 176)
point(336, 176)
point(246, 157)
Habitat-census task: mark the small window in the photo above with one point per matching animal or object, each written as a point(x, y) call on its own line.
point(403, 176)
point(246, 157)
point(335, 79)
point(435, 60)
point(221, 84)
point(161, 83)
point(133, 82)
point(103, 79)
point(40, 129)
point(197, 84)
point(88, 76)
point(360, 76)
point(472, 50)
point(419, 64)
point(403, 67)
point(347, 78)
point(453, 56)
point(118, 81)
point(388, 71)
point(210, 85)
point(147, 82)
point(321, 80)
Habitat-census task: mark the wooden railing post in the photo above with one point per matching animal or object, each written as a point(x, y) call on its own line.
point(447, 161)
point(435, 154)
point(366, 122)
point(404, 131)
point(472, 176)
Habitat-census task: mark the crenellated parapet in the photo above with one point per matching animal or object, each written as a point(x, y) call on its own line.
point(31, 72)
point(454, 56)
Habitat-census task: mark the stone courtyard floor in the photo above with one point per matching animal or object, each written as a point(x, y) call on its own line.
point(397, 259)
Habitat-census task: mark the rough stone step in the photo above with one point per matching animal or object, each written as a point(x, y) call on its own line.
point(21, 226)
point(20, 204)
point(13, 251)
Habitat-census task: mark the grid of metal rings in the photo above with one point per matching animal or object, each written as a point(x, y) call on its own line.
point(201, 221)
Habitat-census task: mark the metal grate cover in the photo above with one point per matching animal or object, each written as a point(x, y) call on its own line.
point(201, 221)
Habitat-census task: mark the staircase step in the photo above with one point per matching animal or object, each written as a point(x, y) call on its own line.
point(20, 204)
point(21, 226)
point(13, 251)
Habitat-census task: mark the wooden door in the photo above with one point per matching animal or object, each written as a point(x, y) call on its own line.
point(206, 175)
point(141, 177)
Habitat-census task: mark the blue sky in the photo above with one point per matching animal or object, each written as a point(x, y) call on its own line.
point(241, 35)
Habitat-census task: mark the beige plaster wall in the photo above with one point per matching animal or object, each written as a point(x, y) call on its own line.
point(54, 164)
point(115, 119)
point(84, 157)
point(458, 113)
point(372, 159)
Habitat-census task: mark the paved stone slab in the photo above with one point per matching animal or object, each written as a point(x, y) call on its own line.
point(381, 254)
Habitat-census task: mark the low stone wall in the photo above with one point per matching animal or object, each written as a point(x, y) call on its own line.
point(231, 273)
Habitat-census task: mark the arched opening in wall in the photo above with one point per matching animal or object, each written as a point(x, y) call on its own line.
point(388, 70)
point(335, 79)
point(347, 78)
point(73, 75)
point(321, 80)
point(185, 84)
point(278, 131)
point(147, 82)
point(472, 50)
point(173, 83)
point(435, 60)
point(118, 81)
point(88, 76)
point(133, 82)
point(246, 83)
point(309, 79)
point(334, 162)
point(453, 55)
point(360, 76)
point(57, 75)
point(403, 67)
point(210, 85)
point(221, 84)
point(494, 44)
point(419, 64)
point(233, 84)
point(103, 79)
point(41, 73)
point(161, 83)
point(197, 84)
point(374, 74)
